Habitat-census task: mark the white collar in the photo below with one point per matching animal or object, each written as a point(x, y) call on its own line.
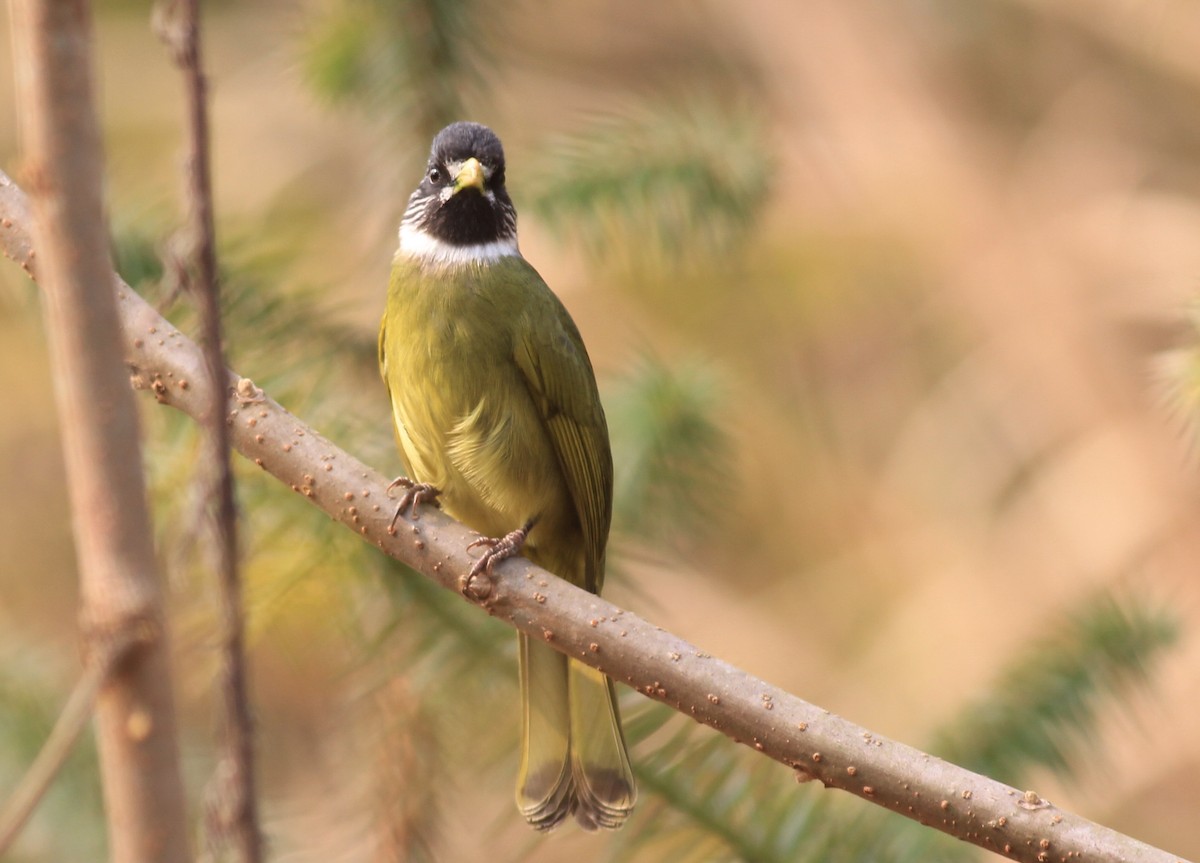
point(421, 246)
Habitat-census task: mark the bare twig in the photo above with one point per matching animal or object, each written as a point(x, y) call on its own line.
point(817, 744)
point(76, 714)
point(119, 586)
point(232, 806)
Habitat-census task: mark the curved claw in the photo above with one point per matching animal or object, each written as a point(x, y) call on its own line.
point(416, 494)
point(498, 549)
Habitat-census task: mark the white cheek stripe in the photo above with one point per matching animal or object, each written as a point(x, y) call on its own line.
point(415, 243)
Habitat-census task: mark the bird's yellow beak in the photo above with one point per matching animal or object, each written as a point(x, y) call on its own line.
point(469, 175)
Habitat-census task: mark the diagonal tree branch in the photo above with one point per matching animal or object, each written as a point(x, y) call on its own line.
point(817, 744)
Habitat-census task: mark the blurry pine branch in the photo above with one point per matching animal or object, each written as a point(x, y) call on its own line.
point(674, 181)
point(401, 61)
point(1043, 711)
point(670, 452)
point(31, 689)
point(710, 800)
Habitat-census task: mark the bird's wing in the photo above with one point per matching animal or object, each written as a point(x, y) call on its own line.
point(551, 356)
point(397, 426)
point(383, 369)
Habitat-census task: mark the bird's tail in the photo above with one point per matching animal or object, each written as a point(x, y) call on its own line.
point(573, 757)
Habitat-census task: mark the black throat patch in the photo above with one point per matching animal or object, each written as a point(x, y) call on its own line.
point(470, 219)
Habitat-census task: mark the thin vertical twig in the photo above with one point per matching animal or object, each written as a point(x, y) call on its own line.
point(120, 594)
point(232, 805)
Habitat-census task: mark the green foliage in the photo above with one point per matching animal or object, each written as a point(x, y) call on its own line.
point(706, 798)
point(31, 688)
point(1043, 709)
point(676, 180)
point(668, 450)
point(284, 338)
point(259, 313)
point(410, 59)
point(136, 256)
point(339, 57)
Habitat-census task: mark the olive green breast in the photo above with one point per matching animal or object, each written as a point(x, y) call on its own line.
point(496, 404)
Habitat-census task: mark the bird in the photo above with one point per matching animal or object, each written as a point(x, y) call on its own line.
point(498, 419)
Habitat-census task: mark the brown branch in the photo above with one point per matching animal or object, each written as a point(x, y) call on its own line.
point(817, 744)
point(232, 804)
point(119, 585)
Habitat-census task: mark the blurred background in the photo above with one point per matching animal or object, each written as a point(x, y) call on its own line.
point(893, 307)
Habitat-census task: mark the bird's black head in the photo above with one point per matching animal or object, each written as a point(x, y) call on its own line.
point(462, 200)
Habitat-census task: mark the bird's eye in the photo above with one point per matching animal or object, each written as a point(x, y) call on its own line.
point(435, 175)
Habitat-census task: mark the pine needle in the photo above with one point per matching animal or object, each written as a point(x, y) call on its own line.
point(1043, 709)
point(678, 180)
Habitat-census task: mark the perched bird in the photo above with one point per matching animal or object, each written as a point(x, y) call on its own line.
point(497, 415)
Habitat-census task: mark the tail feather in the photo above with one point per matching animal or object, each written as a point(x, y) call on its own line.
point(604, 783)
point(573, 757)
point(545, 786)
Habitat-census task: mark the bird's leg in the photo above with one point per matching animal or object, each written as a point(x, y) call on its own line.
point(498, 549)
point(416, 494)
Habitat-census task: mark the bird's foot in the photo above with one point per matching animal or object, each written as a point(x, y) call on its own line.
point(416, 493)
point(498, 549)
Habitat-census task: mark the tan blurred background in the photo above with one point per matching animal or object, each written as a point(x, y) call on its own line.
point(946, 364)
